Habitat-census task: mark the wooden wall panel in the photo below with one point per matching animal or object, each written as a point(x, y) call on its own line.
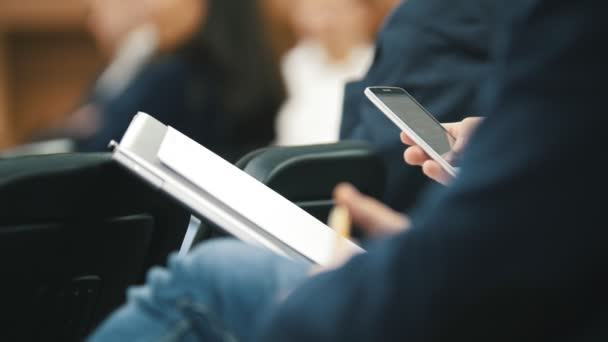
point(5, 119)
point(47, 61)
point(46, 89)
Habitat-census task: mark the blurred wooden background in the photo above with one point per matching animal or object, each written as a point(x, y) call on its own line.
point(47, 60)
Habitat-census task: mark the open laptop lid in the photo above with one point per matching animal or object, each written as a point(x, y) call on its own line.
point(217, 190)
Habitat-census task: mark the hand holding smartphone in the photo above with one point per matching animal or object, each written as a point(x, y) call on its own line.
point(413, 119)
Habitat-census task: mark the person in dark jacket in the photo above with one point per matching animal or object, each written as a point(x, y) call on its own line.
point(511, 250)
point(222, 88)
point(439, 53)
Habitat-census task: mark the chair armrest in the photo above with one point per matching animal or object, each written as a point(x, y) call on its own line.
point(54, 146)
point(304, 173)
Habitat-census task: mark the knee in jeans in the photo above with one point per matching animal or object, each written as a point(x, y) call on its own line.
point(212, 258)
point(186, 276)
point(222, 261)
point(217, 249)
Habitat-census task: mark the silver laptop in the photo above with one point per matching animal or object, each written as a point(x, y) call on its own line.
point(217, 190)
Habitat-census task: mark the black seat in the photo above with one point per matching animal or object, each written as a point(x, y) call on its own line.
point(307, 175)
point(75, 231)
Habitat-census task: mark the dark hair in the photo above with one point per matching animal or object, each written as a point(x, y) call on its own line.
point(235, 43)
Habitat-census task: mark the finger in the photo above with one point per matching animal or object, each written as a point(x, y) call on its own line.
point(415, 156)
point(344, 192)
point(466, 129)
point(406, 139)
point(453, 128)
point(372, 216)
point(433, 170)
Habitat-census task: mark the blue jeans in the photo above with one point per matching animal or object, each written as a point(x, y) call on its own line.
point(215, 293)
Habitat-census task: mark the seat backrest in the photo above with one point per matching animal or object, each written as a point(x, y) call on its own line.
point(60, 279)
point(307, 175)
point(75, 231)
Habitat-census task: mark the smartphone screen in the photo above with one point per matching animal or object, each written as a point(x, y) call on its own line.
point(419, 120)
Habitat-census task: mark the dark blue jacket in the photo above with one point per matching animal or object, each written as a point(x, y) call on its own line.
point(516, 248)
point(438, 51)
point(162, 89)
point(185, 95)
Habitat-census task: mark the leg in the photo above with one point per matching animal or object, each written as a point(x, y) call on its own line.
point(215, 293)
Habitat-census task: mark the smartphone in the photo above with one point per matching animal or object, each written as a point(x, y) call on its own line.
point(413, 119)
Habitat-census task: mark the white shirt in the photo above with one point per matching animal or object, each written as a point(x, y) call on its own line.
point(315, 85)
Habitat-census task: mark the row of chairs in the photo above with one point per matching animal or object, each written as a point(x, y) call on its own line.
point(76, 229)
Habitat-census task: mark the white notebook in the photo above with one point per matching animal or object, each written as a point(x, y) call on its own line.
point(221, 192)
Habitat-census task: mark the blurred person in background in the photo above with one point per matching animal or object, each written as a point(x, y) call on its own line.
point(110, 21)
point(281, 31)
point(336, 45)
point(215, 78)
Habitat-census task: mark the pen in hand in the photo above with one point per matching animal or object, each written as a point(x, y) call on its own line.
point(340, 220)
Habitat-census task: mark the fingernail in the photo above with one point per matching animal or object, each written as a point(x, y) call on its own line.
point(343, 189)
